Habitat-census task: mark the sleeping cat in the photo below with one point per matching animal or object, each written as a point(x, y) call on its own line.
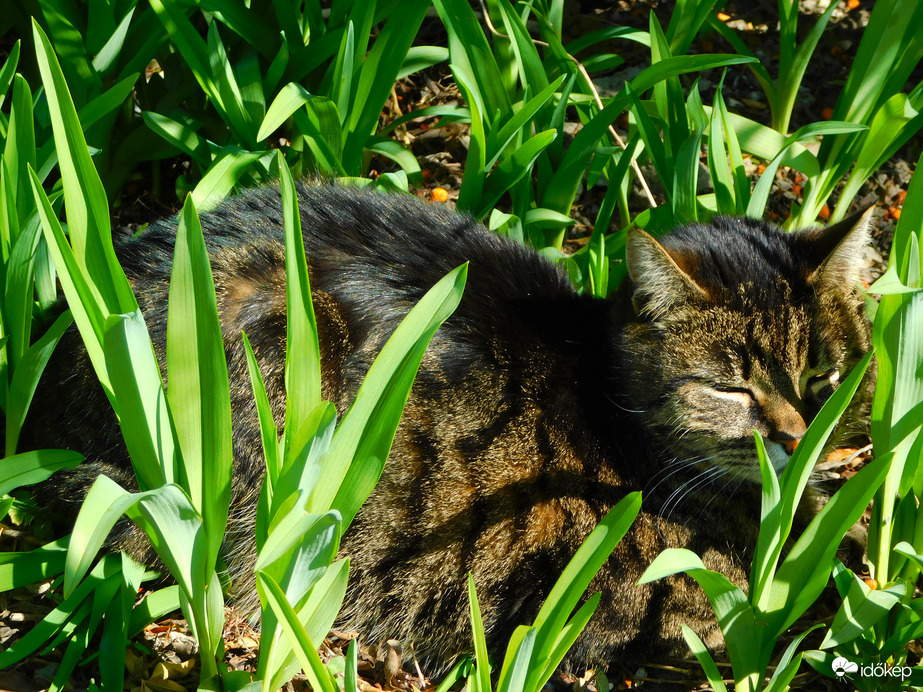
point(535, 410)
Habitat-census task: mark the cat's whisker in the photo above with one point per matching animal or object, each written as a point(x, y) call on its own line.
point(612, 401)
point(670, 469)
point(677, 496)
point(736, 481)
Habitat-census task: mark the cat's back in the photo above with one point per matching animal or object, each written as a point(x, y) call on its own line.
point(361, 236)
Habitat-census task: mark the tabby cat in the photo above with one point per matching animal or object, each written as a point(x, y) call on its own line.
point(535, 410)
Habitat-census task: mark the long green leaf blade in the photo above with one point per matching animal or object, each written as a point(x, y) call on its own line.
point(199, 394)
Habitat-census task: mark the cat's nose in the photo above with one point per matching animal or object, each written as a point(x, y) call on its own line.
point(788, 441)
point(786, 424)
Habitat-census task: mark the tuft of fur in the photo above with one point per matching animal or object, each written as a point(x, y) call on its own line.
point(535, 410)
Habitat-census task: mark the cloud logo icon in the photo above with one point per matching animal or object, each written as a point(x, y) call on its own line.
point(841, 666)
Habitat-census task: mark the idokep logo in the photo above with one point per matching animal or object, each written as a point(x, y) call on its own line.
point(843, 667)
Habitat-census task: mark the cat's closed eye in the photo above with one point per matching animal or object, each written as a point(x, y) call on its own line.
point(741, 395)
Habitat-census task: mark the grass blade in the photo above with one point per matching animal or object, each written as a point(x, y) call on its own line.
point(481, 662)
point(702, 655)
point(804, 572)
point(85, 198)
point(144, 418)
point(199, 394)
point(576, 577)
point(105, 503)
point(26, 378)
point(302, 353)
point(318, 676)
point(33, 467)
point(363, 439)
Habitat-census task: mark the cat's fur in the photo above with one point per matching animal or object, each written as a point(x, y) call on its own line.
point(535, 410)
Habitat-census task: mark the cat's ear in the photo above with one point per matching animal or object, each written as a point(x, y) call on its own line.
point(658, 284)
point(837, 249)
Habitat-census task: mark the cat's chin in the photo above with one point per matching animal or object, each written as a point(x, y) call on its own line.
point(750, 471)
point(778, 456)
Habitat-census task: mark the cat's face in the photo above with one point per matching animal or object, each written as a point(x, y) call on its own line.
point(741, 327)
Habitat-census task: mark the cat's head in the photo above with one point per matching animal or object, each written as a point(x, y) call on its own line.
point(740, 326)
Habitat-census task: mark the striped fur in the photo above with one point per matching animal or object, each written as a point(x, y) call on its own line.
point(535, 410)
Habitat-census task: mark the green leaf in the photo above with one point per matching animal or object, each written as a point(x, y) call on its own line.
point(351, 677)
point(482, 665)
point(19, 270)
point(290, 98)
point(419, 58)
point(319, 122)
point(230, 164)
point(685, 22)
point(231, 104)
point(268, 432)
point(577, 576)
point(294, 527)
point(72, 611)
point(302, 359)
point(318, 675)
point(26, 378)
point(889, 283)
point(804, 572)
point(718, 158)
point(363, 439)
point(760, 194)
point(512, 169)
point(528, 62)
point(9, 68)
point(33, 467)
point(324, 601)
point(592, 38)
point(377, 77)
point(343, 72)
point(498, 139)
point(682, 64)
point(18, 155)
point(85, 198)
point(154, 606)
point(306, 444)
point(175, 530)
point(114, 639)
point(734, 613)
point(787, 667)
point(240, 19)
point(108, 101)
point(193, 49)
point(771, 537)
point(447, 113)
point(702, 655)
point(105, 60)
point(471, 54)
point(862, 609)
point(402, 156)
point(907, 550)
point(105, 503)
point(84, 302)
point(22, 568)
point(518, 657)
point(472, 186)
point(199, 394)
point(566, 637)
point(144, 418)
point(182, 137)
